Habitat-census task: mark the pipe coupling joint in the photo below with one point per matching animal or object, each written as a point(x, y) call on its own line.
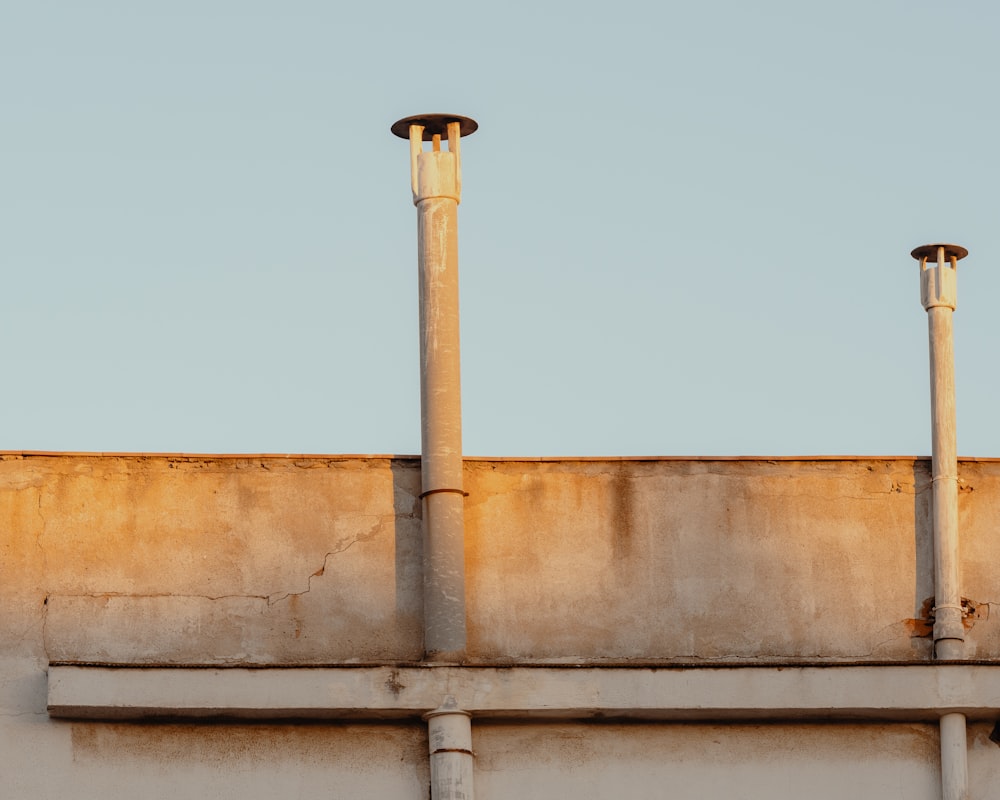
point(436, 177)
point(938, 287)
point(948, 627)
point(449, 729)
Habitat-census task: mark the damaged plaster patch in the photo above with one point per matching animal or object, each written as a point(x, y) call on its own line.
point(973, 611)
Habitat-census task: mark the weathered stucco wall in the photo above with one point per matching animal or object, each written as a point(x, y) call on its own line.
point(273, 560)
point(711, 559)
point(186, 560)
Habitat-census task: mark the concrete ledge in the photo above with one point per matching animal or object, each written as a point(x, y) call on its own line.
point(901, 693)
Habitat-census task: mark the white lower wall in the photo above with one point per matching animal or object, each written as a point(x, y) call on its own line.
point(97, 761)
point(583, 761)
point(691, 762)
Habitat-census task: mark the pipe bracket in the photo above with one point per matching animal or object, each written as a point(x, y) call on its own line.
point(462, 492)
point(461, 750)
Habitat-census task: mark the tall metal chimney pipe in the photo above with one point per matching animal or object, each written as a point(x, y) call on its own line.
point(436, 180)
point(938, 294)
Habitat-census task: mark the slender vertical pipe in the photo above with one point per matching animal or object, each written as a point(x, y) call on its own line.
point(436, 180)
point(954, 758)
point(938, 294)
point(449, 737)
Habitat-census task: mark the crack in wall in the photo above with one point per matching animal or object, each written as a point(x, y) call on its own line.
point(42, 527)
point(270, 598)
point(376, 527)
point(45, 623)
point(153, 595)
point(900, 632)
point(31, 626)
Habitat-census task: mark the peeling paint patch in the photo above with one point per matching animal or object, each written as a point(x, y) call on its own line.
point(972, 612)
point(923, 626)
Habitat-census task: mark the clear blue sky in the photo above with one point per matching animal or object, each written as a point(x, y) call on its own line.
point(685, 226)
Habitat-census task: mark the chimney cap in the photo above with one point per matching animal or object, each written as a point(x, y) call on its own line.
point(434, 125)
point(929, 251)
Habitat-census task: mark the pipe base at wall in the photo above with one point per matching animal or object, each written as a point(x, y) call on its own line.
point(954, 758)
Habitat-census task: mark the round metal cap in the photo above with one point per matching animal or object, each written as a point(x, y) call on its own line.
point(929, 251)
point(434, 124)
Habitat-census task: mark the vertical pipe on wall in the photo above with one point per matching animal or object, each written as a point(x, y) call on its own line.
point(954, 758)
point(436, 180)
point(449, 737)
point(938, 294)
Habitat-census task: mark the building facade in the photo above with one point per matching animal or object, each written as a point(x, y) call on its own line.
point(242, 627)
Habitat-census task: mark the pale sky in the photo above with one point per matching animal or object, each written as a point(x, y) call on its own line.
point(685, 227)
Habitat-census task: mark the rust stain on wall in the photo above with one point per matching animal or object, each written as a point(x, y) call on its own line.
point(623, 515)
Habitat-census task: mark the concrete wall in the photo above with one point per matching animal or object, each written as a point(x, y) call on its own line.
point(317, 560)
point(271, 560)
point(756, 762)
point(705, 559)
point(168, 761)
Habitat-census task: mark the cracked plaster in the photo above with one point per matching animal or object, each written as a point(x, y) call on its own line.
point(202, 561)
point(318, 560)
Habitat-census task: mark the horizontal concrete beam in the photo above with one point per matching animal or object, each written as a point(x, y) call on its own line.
point(904, 693)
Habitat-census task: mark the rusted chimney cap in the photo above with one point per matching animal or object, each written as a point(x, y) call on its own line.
point(434, 125)
point(929, 251)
